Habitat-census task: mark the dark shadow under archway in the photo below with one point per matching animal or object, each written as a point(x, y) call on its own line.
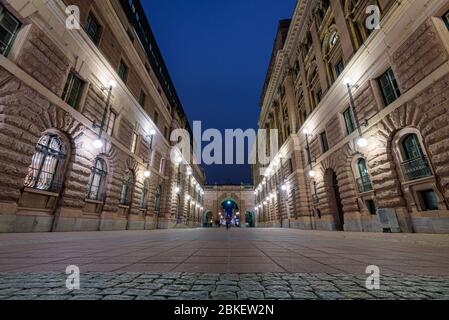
point(335, 204)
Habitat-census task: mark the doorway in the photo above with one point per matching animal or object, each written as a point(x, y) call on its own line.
point(335, 204)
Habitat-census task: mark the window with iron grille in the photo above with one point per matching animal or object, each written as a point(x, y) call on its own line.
point(415, 164)
point(72, 90)
point(93, 28)
point(45, 171)
point(349, 121)
point(9, 26)
point(95, 189)
point(127, 189)
point(145, 191)
point(389, 87)
point(157, 199)
point(363, 180)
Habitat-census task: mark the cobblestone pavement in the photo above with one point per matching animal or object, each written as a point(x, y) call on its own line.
point(221, 251)
point(205, 286)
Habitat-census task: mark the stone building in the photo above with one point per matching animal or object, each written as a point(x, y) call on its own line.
point(85, 121)
point(236, 201)
point(362, 113)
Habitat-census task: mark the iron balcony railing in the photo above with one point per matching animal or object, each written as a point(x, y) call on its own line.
point(364, 184)
point(416, 168)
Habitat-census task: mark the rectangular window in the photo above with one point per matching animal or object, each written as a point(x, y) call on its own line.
point(134, 143)
point(324, 142)
point(93, 28)
point(122, 71)
point(446, 19)
point(349, 121)
point(318, 96)
point(371, 206)
point(339, 67)
point(9, 26)
point(72, 90)
point(389, 87)
point(429, 200)
point(156, 117)
point(111, 122)
point(142, 98)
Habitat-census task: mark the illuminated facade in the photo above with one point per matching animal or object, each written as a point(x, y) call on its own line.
point(363, 119)
point(85, 121)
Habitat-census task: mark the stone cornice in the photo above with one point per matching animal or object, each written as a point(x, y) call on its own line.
point(283, 57)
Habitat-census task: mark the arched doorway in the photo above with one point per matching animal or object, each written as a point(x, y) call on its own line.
point(230, 210)
point(335, 203)
point(250, 220)
point(207, 219)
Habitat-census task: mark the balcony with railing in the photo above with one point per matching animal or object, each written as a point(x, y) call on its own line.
point(364, 184)
point(416, 169)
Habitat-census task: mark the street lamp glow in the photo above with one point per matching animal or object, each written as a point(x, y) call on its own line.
point(362, 142)
point(284, 187)
point(97, 144)
point(147, 174)
point(177, 189)
point(187, 197)
point(312, 174)
point(189, 172)
point(306, 131)
point(265, 203)
point(347, 81)
point(112, 84)
point(152, 132)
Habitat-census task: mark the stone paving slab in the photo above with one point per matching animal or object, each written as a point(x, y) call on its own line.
point(234, 251)
point(182, 286)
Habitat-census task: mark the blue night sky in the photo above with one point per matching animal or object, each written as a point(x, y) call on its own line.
point(217, 52)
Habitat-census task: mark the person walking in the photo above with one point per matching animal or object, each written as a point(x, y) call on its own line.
point(228, 223)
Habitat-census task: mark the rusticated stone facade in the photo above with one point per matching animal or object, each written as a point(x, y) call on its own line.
point(399, 182)
point(34, 74)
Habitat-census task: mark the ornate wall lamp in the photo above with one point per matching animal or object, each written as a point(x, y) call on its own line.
point(98, 143)
point(311, 173)
point(150, 135)
point(361, 141)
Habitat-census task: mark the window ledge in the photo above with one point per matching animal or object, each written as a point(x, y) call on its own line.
point(418, 181)
point(93, 201)
point(42, 192)
point(123, 206)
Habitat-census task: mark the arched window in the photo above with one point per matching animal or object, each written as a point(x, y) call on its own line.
point(95, 189)
point(412, 147)
point(127, 188)
point(145, 190)
point(45, 171)
point(363, 178)
point(157, 199)
point(415, 164)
